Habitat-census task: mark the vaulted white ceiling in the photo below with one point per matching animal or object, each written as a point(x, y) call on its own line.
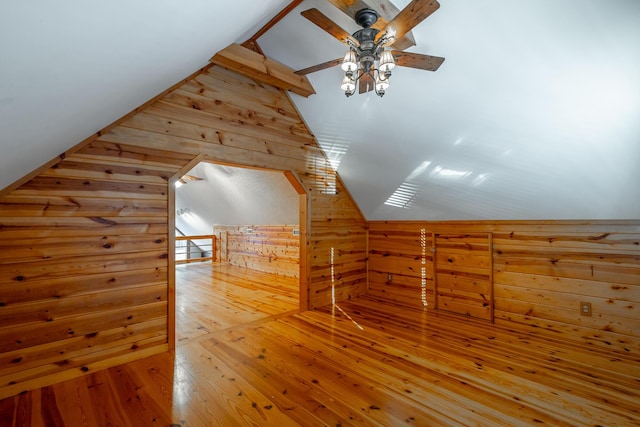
point(234, 196)
point(535, 113)
point(69, 68)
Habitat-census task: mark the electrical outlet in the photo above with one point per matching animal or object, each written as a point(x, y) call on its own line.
point(389, 277)
point(296, 232)
point(249, 230)
point(585, 308)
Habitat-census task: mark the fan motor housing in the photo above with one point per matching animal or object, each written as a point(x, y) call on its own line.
point(366, 37)
point(366, 17)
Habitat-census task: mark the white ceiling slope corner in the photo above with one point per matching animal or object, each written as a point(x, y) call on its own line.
point(68, 68)
point(535, 114)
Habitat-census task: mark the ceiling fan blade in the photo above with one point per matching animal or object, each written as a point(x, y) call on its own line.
point(321, 20)
point(366, 83)
point(319, 67)
point(404, 42)
point(415, 12)
point(350, 7)
point(386, 11)
point(417, 60)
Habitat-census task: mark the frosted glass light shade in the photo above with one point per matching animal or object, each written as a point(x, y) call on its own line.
point(386, 62)
point(348, 84)
point(349, 62)
point(382, 83)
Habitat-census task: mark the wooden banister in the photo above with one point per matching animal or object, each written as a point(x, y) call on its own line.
point(189, 240)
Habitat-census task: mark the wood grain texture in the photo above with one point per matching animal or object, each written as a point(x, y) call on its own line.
point(94, 225)
point(319, 67)
point(196, 248)
point(273, 21)
point(256, 66)
point(322, 21)
point(215, 297)
point(539, 272)
point(268, 248)
point(386, 11)
point(412, 14)
point(399, 253)
point(416, 60)
point(364, 362)
point(463, 274)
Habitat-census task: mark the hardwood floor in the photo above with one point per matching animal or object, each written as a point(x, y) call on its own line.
point(364, 362)
point(214, 297)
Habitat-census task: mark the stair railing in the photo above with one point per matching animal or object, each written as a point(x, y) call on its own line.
point(197, 248)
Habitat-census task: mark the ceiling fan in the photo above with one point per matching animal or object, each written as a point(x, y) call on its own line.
point(369, 61)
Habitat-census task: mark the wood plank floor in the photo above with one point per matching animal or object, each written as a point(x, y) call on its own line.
point(214, 297)
point(364, 362)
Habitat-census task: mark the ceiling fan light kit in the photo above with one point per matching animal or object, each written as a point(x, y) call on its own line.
point(369, 61)
point(367, 57)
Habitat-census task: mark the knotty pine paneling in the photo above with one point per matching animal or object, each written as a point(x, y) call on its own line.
point(404, 251)
point(463, 274)
point(338, 261)
point(85, 271)
point(541, 272)
point(268, 248)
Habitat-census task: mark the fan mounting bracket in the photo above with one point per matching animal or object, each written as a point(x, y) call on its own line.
point(366, 17)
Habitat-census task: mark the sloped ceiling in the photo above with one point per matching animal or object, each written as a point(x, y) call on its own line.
point(535, 114)
point(235, 196)
point(69, 68)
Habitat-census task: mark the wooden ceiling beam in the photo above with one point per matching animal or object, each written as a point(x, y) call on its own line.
point(258, 67)
point(284, 12)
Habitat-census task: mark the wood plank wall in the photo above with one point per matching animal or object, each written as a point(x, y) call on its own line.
point(463, 274)
point(268, 248)
point(400, 266)
point(85, 277)
point(541, 272)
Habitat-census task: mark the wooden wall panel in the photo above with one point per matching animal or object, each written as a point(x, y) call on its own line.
point(337, 252)
point(406, 253)
point(268, 248)
point(83, 269)
point(542, 272)
point(85, 266)
point(463, 274)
